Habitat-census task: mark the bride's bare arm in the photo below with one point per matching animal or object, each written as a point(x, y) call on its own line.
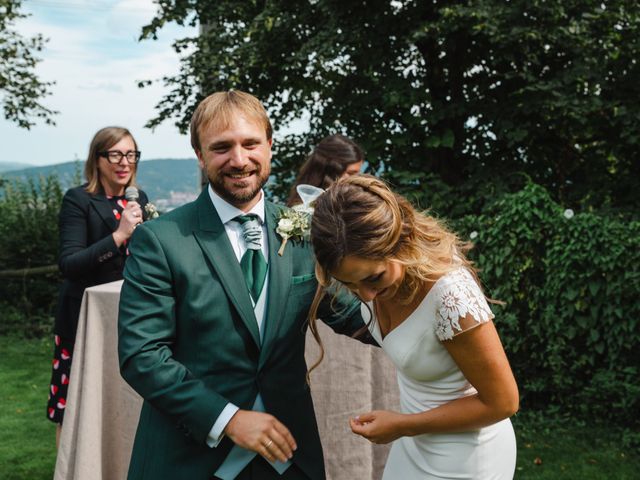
point(479, 354)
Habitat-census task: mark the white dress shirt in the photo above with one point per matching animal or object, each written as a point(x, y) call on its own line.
point(227, 213)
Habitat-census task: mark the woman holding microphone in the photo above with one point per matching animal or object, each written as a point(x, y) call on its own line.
point(96, 221)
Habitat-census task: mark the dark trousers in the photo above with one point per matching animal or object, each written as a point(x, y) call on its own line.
point(259, 469)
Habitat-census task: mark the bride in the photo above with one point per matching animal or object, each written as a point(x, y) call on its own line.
point(429, 314)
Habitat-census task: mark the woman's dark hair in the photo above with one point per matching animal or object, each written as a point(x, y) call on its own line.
point(327, 163)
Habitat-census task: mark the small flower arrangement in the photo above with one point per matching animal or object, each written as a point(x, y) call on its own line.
point(292, 224)
point(151, 211)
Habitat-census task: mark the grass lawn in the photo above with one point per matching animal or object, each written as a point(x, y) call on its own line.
point(27, 448)
point(546, 450)
point(569, 452)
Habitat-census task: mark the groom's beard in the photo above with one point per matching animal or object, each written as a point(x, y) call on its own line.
point(239, 191)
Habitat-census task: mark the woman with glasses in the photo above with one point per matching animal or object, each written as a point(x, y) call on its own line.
point(96, 222)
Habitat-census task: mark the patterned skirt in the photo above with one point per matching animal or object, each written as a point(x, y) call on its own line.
point(60, 371)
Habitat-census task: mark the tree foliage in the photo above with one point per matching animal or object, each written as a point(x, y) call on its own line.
point(475, 89)
point(20, 89)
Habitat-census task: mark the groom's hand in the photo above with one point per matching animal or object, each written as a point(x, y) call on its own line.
point(261, 433)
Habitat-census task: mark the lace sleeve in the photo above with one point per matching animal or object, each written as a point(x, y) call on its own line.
point(458, 298)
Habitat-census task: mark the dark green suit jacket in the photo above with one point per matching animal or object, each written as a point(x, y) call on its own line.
point(189, 341)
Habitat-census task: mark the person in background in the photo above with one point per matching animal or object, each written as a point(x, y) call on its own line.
point(429, 314)
point(334, 157)
point(96, 222)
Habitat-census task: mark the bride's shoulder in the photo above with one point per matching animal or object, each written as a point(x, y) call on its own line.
point(459, 277)
point(460, 303)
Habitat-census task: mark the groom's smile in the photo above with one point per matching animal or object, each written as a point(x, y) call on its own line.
point(237, 159)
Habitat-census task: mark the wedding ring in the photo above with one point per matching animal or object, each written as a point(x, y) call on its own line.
point(268, 444)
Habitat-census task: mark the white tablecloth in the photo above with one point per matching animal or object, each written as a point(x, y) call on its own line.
point(102, 410)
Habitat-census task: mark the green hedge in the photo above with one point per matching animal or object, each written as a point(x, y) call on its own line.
point(571, 287)
point(29, 239)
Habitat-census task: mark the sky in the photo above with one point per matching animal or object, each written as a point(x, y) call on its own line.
point(95, 59)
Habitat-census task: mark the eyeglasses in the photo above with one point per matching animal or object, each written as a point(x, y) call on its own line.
point(116, 156)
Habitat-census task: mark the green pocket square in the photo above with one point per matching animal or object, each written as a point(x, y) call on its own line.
point(302, 278)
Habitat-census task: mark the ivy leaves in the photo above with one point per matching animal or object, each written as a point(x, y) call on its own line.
point(570, 287)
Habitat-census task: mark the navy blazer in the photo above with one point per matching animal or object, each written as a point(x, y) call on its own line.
point(88, 254)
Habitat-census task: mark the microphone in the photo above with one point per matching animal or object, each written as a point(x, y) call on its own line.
point(131, 194)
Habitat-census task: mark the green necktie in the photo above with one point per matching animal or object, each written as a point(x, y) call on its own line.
point(253, 264)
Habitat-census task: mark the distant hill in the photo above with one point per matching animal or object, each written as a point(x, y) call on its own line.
point(158, 178)
point(8, 166)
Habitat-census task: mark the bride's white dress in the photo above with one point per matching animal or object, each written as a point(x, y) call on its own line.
point(428, 377)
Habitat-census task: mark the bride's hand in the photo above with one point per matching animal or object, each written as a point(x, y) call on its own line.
point(379, 426)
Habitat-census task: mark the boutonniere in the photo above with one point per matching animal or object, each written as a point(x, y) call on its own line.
point(292, 224)
point(295, 223)
point(151, 211)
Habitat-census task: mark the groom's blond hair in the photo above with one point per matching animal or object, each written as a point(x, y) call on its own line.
point(218, 110)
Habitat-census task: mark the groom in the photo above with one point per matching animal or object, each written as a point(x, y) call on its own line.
point(212, 319)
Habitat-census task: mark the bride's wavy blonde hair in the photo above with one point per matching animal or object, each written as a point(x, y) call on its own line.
point(360, 216)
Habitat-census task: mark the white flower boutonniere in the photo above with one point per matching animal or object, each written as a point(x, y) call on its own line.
point(151, 211)
point(296, 222)
point(292, 224)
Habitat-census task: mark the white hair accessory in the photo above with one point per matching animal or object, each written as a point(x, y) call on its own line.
point(308, 194)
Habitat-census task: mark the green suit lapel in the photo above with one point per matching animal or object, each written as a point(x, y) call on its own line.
point(212, 238)
point(280, 268)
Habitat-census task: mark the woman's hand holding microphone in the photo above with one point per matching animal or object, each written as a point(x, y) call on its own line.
point(130, 218)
